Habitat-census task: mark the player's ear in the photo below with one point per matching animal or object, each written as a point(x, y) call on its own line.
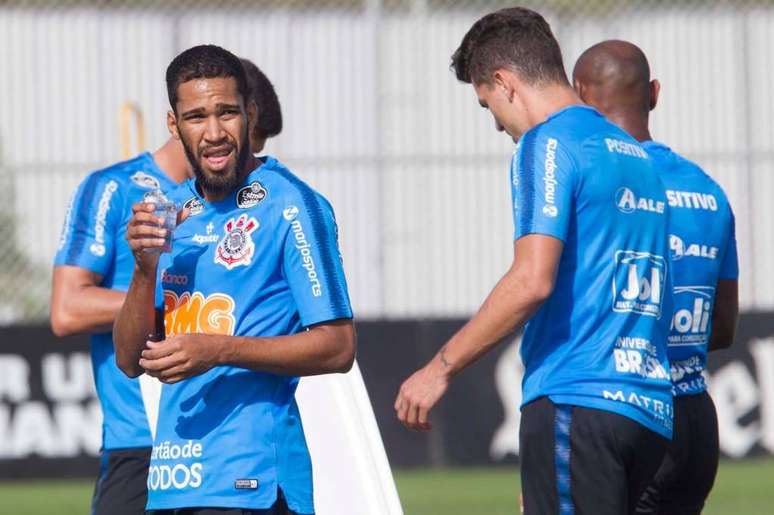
point(501, 81)
point(580, 90)
point(172, 125)
point(655, 89)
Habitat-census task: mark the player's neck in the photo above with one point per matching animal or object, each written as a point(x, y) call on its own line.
point(550, 100)
point(633, 123)
point(251, 164)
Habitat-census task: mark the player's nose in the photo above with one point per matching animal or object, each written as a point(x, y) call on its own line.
point(214, 129)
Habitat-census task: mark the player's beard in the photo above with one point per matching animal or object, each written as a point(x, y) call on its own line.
point(220, 184)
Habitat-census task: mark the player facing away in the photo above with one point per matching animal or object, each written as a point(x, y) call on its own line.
point(253, 295)
point(590, 274)
point(614, 76)
point(92, 269)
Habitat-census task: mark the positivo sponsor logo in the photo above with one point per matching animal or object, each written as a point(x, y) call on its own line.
point(98, 247)
point(692, 200)
point(624, 147)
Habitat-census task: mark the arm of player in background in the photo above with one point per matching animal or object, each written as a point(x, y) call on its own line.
point(79, 305)
point(136, 319)
point(725, 315)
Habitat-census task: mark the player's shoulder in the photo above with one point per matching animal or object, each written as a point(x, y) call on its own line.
point(679, 171)
point(286, 186)
point(137, 172)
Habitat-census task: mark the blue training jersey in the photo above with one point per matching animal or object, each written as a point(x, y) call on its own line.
point(599, 340)
point(703, 248)
point(264, 261)
point(93, 238)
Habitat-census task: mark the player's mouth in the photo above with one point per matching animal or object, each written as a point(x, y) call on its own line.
point(217, 158)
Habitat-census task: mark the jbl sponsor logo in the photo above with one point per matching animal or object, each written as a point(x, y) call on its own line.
point(638, 282)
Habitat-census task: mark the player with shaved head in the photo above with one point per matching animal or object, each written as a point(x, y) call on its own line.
point(614, 77)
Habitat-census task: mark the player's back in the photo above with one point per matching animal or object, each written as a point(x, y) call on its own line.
point(703, 250)
point(599, 340)
point(93, 239)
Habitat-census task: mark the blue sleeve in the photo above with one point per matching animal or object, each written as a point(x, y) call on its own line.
point(729, 267)
point(92, 220)
point(542, 185)
point(312, 262)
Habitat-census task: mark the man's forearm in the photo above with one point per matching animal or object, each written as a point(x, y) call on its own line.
point(135, 321)
point(510, 304)
point(321, 350)
point(90, 309)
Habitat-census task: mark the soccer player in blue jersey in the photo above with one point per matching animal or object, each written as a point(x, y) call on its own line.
point(253, 295)
point(590, 274)
point(614, 76)
point(92, 269)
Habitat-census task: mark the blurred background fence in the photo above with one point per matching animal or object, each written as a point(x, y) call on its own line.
point(374, 119)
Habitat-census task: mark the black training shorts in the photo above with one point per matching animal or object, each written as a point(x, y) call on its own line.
point(584, 461)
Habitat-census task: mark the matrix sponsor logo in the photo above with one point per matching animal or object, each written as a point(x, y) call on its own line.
point(693, 309)
point(98, 247)
point(144, 180)
point(251, 195)
point(194, 313)
point(304, 249)
point(627, 202)
point(679, 249)
point(692, 200)
point(623, 147)
point(549, 179)
point(639, 357)
point(638, 282)
point(194, 206)
point(175, 475)
point(660, 411)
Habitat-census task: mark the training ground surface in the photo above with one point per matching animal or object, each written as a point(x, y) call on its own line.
point(745, 488)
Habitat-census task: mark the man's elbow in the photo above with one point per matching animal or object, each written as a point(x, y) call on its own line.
point(62, 324)
point(129, 368)
point(345, 356)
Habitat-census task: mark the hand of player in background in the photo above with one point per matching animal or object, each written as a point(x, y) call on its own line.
point(180, 357)
point(419, 393)
point(144, 231)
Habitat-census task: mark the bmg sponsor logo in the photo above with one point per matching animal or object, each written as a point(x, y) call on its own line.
point(175, 475)
point(638, 282)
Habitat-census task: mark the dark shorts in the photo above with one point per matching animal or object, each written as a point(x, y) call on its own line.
point(582, 461)
point(688, 471)
point(279, 508)
point(122, 486)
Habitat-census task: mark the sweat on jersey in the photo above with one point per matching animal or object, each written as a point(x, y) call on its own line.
point(702, 242)
point(264, 261)
point(599, 340)
point(93, 238)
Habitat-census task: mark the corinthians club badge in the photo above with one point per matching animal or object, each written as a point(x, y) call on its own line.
point(237, 247)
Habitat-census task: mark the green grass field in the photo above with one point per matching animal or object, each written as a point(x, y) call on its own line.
point(745, 488)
